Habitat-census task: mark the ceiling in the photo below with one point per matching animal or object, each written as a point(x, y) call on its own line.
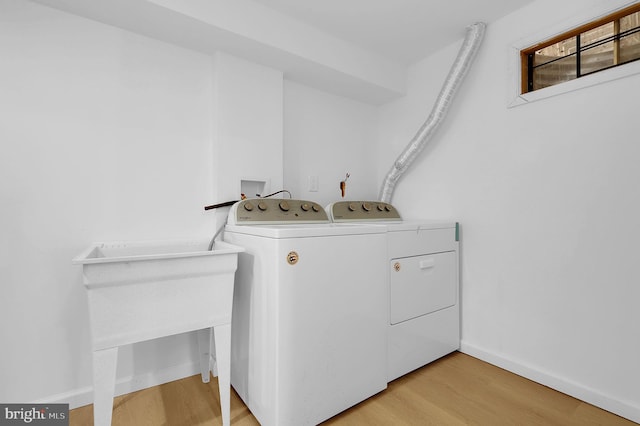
point(403, 30)
point(355, 48)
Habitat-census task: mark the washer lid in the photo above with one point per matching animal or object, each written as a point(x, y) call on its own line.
point(306, 230)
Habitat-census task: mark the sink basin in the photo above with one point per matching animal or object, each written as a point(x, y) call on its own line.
point(147, 250)
point(143, 290)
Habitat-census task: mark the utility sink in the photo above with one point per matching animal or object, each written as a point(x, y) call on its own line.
point(144, 290)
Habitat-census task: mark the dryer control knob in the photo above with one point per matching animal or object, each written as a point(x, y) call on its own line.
point(284, 206)
point(248, 206)
point(352, 207)
point(366, 207)
point(380, 207)
point(305, 207)
point(262, 206)
point(315, 208)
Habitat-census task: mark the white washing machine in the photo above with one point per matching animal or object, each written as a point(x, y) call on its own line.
point(422, 280)
point(309, 327)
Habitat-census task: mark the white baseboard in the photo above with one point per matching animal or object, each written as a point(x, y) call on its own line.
point(84, 396)
point(622, 408)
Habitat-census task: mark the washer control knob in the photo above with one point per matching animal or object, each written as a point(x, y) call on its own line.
point(305, 207)
point(248, 207)
point(366, 207)
point(380, 207)
point(353, 207)
point(262, 206)
point(315, 208)
point(284, 206)
point(387, 208)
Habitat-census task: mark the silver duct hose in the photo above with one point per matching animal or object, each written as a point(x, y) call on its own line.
point(467, 53)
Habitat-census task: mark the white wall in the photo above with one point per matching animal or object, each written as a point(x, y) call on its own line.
point(248, 128)
point(104, 135)
point(547, 197)
point(328, 136)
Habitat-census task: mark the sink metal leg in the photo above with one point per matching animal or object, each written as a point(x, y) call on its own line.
point(104, 373)
point(104, 382)
point(222, 336)
point(204, 346)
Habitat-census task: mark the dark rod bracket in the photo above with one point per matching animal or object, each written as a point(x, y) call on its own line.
point(225, 204)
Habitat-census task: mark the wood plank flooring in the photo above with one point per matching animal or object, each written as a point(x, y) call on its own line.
point(455, 390)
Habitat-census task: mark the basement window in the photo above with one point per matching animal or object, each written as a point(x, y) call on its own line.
point(603, 44)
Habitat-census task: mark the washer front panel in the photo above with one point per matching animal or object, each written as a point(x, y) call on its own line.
point(309, 321)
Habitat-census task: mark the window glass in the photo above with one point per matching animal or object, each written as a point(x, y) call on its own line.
point(630, 22)
point(630, 37)
point(598, 34)
point(554, 72)
point(554, 64)
point(597, 48)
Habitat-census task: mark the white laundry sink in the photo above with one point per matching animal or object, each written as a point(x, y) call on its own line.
point(143, 290)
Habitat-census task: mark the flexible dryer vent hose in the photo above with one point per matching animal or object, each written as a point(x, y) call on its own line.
point(468, 50)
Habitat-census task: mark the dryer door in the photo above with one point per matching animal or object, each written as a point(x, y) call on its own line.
point(421, 285)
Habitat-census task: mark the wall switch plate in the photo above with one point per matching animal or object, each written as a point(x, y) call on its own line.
point(313, 183)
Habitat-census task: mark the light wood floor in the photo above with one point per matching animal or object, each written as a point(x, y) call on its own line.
point(455, 390)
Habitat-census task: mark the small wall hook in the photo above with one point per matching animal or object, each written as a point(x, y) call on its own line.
point(343, 185)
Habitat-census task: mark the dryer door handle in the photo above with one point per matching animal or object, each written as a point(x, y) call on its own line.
point(427, 263)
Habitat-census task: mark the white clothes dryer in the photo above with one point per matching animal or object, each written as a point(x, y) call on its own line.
point(422, 279)
point(309, 324)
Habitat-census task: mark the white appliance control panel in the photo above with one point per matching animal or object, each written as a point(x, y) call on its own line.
point(359, 211)
point(273, 211)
